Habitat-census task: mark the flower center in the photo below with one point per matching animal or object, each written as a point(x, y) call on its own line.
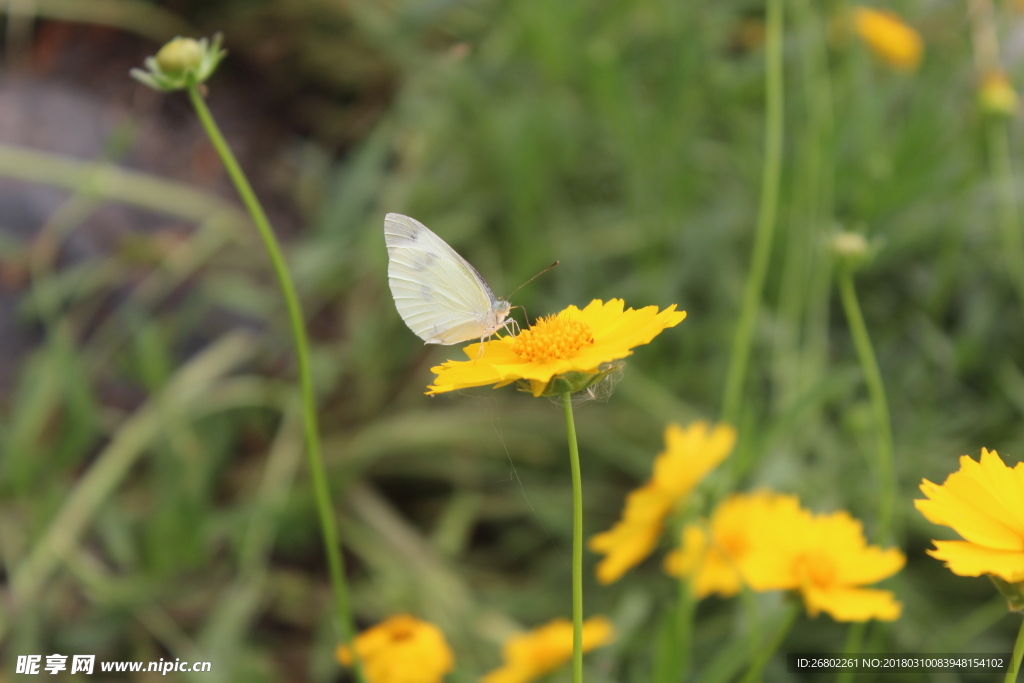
point(401, 630)
point(816, 570)
point(552, 338)
point(734, 545)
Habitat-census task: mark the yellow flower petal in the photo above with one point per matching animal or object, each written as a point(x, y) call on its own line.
point(690, 454)
point(967, 559)
point(889, 37)
point(711, 568)
point(635, 536)
point(852, 604)
point(980, 501)
point(531, 655)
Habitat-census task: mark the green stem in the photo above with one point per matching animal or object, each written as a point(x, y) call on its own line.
point(577, 542)
point(757, 666)
point(1006, 199)
point(770, 174)
point(879, 406)
point(1018, 650)
point(684, 624)
point(321, 491)
point(852, 647)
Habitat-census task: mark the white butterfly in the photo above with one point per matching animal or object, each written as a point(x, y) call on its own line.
point(439, 295)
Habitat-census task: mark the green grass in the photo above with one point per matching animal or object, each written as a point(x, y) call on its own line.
point(624, 139)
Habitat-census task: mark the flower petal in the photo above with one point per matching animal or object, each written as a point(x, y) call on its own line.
point(968, 559)
point(980, 502)
point(852, 604)
point(633, 537)
point(690, 454)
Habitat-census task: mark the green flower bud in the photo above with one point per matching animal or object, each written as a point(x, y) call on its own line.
point(849, 245)
point(179, 56)
point(181, 63)
point(851, 249)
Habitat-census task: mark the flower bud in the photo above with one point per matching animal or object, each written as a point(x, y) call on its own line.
point(179, 56)
point(851, 249)
point(996, 95)
point(849, 245)
point(181, 63)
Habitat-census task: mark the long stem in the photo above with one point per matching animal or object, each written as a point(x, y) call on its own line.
point(771, 172)
point(577, 542)
point(1018, 650)
point(321, 491)
point(757, 666)
point(879, 406)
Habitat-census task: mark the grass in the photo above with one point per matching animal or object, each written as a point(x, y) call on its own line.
point(624, 139)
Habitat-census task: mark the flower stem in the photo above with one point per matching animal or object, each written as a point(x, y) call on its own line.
point(577, 542)
point(321, 491)
point(880, 407)
point(770, 174)
point(757, 666)
point(852, 647)
point(1018, 650)
point(684, 625)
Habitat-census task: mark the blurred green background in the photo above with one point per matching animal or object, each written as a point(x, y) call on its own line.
point(146, 368)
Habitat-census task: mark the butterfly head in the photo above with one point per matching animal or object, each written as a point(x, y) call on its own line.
point(498, 313)
point(496, 318)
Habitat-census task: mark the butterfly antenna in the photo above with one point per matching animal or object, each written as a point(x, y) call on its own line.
point(531, 280)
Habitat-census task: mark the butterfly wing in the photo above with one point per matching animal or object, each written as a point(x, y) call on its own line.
point(439, 295)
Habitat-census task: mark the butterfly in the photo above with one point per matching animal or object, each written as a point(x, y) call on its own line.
point(439, 295)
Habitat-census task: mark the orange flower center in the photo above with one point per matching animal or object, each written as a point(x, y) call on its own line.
point(552, 338)
point(816, 570)
point(734, 545)
point(401, 631)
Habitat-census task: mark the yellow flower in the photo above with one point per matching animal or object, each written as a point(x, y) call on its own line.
point(889, 37)
point(714, 555)
point(569, 342)
point(689, 455)
point(827, 560)
point(982, 502)
point(402, 649)
point(996, 95)
point(529, 656)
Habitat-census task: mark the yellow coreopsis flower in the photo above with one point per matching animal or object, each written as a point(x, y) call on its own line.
point(690, 453)
point(402, 649)
point(714, 554)
point(529, 656)
point(568, 344)
point(892, 40)
point(984, 503)
point(826, 559)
